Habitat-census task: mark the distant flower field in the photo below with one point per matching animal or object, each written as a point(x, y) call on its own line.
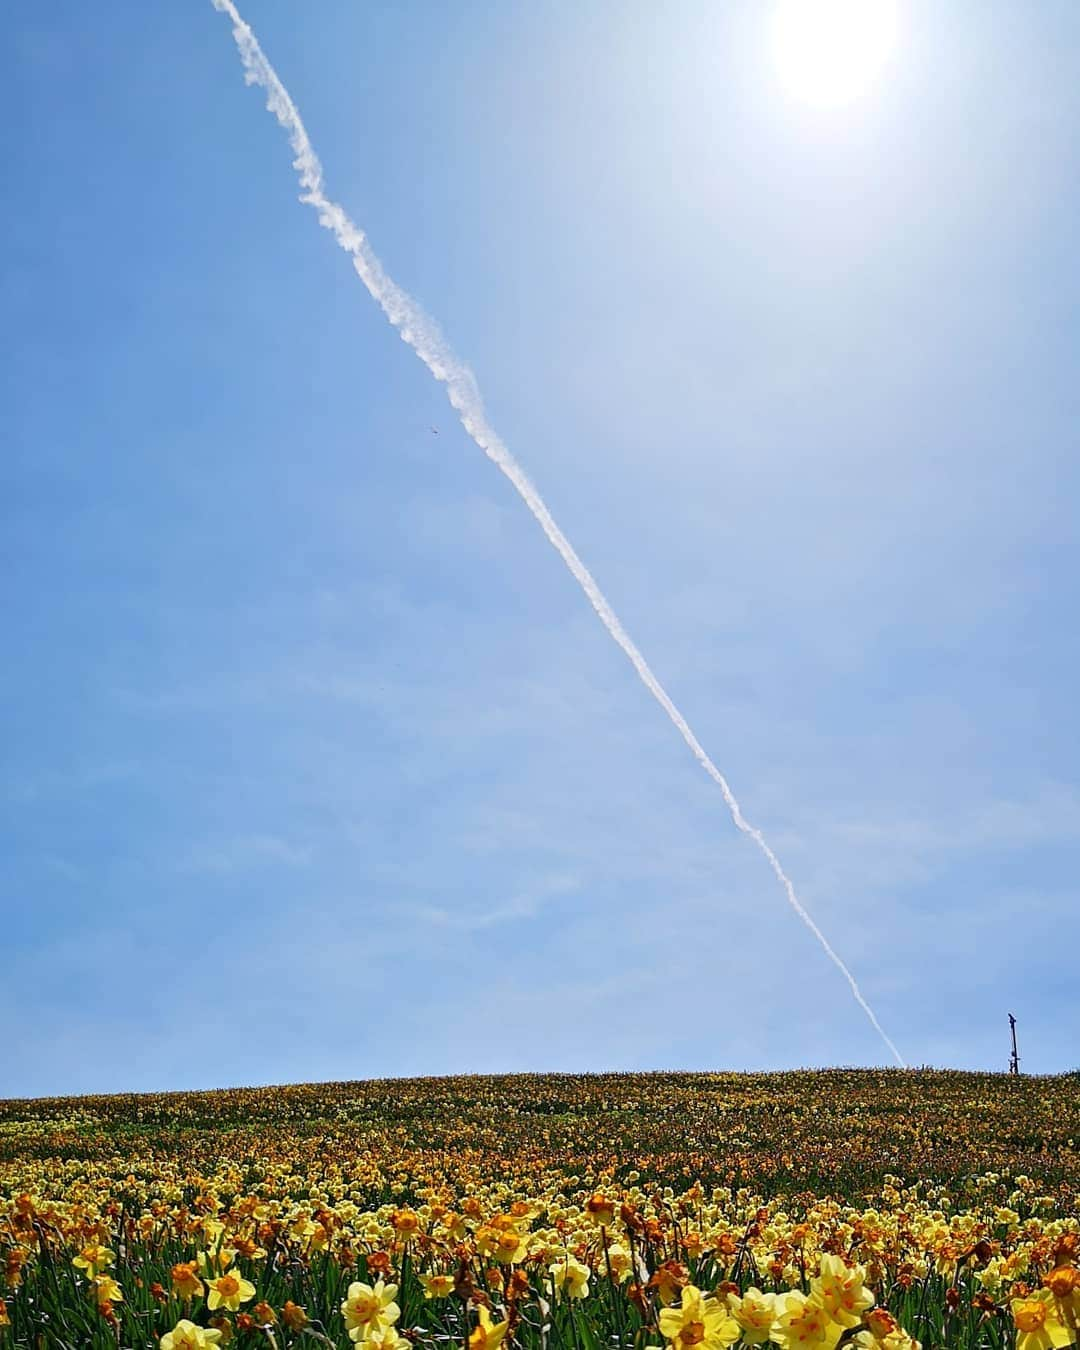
point(803, 1211)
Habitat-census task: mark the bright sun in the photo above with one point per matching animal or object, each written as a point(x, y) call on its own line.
point(830, 52)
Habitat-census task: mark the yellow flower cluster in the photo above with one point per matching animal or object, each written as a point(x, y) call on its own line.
point(838, 1301)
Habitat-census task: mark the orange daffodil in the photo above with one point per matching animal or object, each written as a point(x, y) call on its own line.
point(1064, 1283)
point(884, 1332)
point(185, 1281)
point(294, 1317)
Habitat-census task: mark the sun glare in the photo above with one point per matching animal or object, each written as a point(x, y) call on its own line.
point(831, 52)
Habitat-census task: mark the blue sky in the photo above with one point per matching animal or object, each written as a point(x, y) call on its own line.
point(316, 763)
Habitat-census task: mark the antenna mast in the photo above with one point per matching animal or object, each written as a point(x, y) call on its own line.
point(1014, 1058)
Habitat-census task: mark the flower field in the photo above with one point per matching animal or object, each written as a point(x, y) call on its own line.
point(804, 1211)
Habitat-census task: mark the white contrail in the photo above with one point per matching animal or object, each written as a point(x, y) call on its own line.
point(423, 335)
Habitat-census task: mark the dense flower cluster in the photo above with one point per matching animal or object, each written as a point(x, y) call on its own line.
point(380, 1216)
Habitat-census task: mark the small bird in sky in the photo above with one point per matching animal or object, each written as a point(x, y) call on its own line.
point(434, 430)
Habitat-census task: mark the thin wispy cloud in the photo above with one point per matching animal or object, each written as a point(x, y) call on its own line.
point(243, 853)
point(528, 905)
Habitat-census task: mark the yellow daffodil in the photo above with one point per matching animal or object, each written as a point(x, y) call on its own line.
point(437, 1286)
point(94, 1259)
point(600, 1209)
point(382, 1336)
point(486, 1335)
point(892, 1340)
point(755, 1313)
point(1039, 1325)
point(803, 1324)
point(106, 1290)
point(187, 1336)
point(510, 1246)
point(618, 1260)
point(571, 1276)
point(367, 1304)
point(842, 1291)
point(884, 1332)
point(698, 1321)
point(229, 1291)
point(220, 1259)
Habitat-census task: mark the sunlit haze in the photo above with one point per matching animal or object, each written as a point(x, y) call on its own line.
point(830, 52)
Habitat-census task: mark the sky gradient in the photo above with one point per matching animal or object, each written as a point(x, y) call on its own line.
point(317, 764)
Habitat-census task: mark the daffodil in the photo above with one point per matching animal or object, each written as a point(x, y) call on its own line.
point(187, 1336)
point(892, 1340)
point(486, 1335)
point(294, 1317)
point(220, 1259)
point(406, 1222)
point(1039, 1325)
point(698, 1321)
point(884, 1332)
point(437, 1286)
point(510, 1246)
point(229, 1291)
point(1064, 1283)
point(367, 1304)
point(803, 1324)
point(755, 1313)
point(185, 1282)
point(94, 1258)
point(668, 1279)
point(619, 1261)
point(106, 1290)
point(571, 1276)
point(381, 1336)
point(841, 1290)
point(600, 1209)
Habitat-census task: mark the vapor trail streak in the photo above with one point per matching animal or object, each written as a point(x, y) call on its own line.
point(423, 335)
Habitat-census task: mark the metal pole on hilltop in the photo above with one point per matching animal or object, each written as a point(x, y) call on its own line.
point(1014, 1058)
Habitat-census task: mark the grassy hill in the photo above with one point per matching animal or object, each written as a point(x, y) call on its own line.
point(840, 1129)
